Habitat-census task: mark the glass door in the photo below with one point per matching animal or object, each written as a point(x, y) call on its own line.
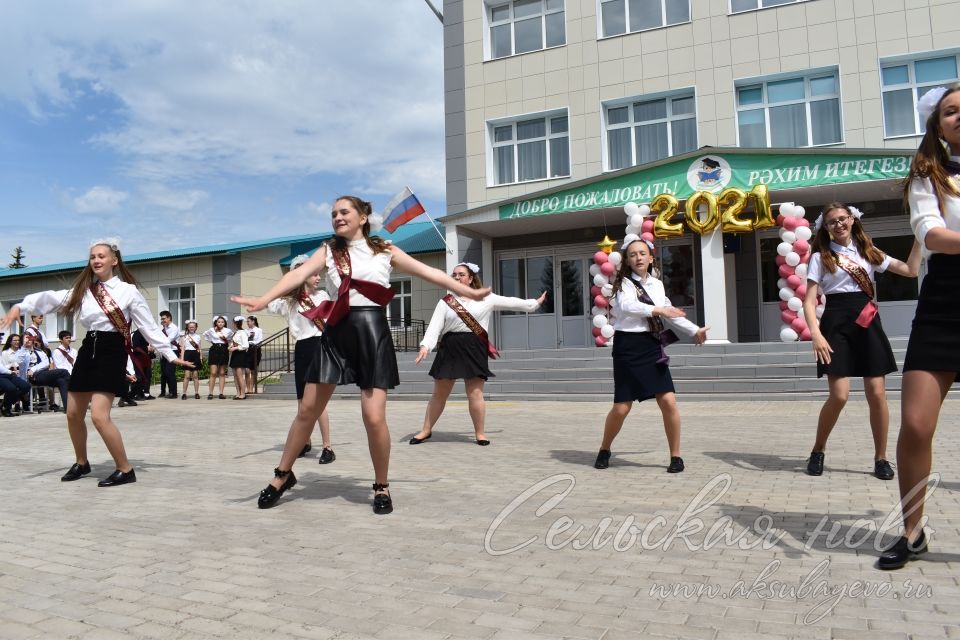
point(527, 277)
point(572, 305)
point(677, 268)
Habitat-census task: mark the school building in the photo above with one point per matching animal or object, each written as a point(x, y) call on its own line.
point(559, 112)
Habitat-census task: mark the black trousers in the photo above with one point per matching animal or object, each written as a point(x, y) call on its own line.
point(59, 378)
point(168, 377)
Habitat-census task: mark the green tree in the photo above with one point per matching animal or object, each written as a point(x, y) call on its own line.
point(17, 256)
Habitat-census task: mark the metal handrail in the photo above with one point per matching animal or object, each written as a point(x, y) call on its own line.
point(407, 335)
point(276, 355)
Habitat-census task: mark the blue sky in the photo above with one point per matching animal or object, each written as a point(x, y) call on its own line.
point(179, 123)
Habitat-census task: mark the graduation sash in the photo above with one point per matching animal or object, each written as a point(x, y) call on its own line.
point(114, 314)
point(308, 304)
point(862, 278)
point(471, 323)
point(194, 343)
point(666, 337)
point(333, 311)
point(66, 354)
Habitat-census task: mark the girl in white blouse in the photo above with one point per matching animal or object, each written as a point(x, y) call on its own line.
point(356, 346)
point(639, 307)
point(254, 338)
point(932, 363)
point(218, 357)
point(190, 351)
point(239, 346)
point(463, 352)
point(849, 340)
point(99, 373)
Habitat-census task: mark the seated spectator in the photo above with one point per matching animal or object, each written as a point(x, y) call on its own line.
point(14, 389)
point(64, 355)
point(40, 372)
point(8, 357)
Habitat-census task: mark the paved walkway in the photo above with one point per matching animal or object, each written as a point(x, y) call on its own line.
point(764, 551)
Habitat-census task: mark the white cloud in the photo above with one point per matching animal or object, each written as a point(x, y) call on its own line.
point(99, 200)
point(353, 90)
point(158, 195)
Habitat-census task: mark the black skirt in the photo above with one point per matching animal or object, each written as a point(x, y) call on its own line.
point(461, 355)
point(239, 360)
point(935, 337)
point(304, 351)
point(193, 357)
point(636, 374)
point(218, 355)
point(359, 350)
point(101, 364)
point(857, 352)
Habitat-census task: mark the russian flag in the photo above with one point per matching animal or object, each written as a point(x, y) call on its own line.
point(403, 208)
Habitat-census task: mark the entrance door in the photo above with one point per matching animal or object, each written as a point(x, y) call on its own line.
point(677, 265)
point(573, 306)
point(528, 277)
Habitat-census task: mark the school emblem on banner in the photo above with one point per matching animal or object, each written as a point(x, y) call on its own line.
point(709, 173)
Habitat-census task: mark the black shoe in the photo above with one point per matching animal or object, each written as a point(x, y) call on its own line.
point(148, 397)
point(306, 449)
point(196, 396)
point(172, 396)
point(327, 456)
point(382, 502)
point(54, 407)
point(117, 478)
point(6, 413)
point(483, 442)
point(270, 495)
point(222, 397)
point(902, 552)
point(676, 464)
point(209, 396)
point(416, 440)
point(882, 469)
point(183, 397)
point(603, 459)
point(815, 463)
point(76, 472)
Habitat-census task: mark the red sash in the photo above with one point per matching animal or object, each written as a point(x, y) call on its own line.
point(66, 354)
point(665, 337)
point(196, 345)
point(333, 311)
point(862, 278)
point(471, 323)
point(307, 303)
point(114, 314)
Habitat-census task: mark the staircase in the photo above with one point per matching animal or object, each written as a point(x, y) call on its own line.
point(743, 371)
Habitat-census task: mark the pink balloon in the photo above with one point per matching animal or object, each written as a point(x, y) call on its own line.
point(805, 334)
point(798, 324)
point(600, 257)
point(647, 235)
point(781, 260)
point(801, 291)
point(801, 246)
point(790, 223)
point(794, 281)
point(788, 316)
point(805, 258)
point(785, 270)
point(607, 269)
point(780, 220)
point(783, 305)
point(802, 222)
point(596, 332)
point(647, 226)
point(594, 291)
point(600, 302)
point(600, 341)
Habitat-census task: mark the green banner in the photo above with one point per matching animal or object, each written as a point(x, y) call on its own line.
point(714, 172)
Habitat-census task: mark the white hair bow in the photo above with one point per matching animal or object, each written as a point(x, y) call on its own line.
point(113, 243)
point(238, 318)
point(629, 239)
point(928, 103)
point(299, 260)
point(856, 213)
point(469, 265)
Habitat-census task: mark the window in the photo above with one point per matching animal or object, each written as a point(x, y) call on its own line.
point(17, 325)
point(527, 278)
point(179, 300)
point(903, 83)
point(65, 322)
point(890, 286)
point(525, 25)
point(399, 312)
point(736, 6)
point(799, 111)
point(627, 16)
point(644, 130)
point(530, 149)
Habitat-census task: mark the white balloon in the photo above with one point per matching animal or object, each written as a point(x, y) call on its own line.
point(803, 233)
point(801, 271)
point(781, 283)
point(631, 209)
point(788, 236)
point(784, 248)
point(614, 258)
point(606, 290)
point(786, 209)
point(594, 269)
point(795, 304)
point(788, 335)
point(636, 221)
point(785, 293)
point(606, 330)
point(632, 230)
point(644, 210)
point(820, 309)
point(600, 280)
point(600, 321)
point(792, 258)
point(799, 212)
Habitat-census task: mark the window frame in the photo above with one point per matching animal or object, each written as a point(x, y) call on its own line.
point(759, 6)
point(910, 61)
point(513, 121)
point(765, 104)
point(166, 302)
point(626, 19)
point(405, 297)
point(489, 24)
point(669, 96)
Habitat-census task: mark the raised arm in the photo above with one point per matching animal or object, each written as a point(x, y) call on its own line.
point(35, 304)
point(505, 303)
point(910, 268)
point(414, 267)
point(432, 335)
point(289, 282)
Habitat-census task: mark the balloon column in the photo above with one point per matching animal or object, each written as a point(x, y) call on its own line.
point(793, 256)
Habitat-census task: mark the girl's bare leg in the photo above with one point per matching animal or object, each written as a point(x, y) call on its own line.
point(438, 401)
point(101, 404)
point(313, 403)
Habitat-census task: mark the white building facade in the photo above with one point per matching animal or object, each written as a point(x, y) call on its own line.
point(558, 112)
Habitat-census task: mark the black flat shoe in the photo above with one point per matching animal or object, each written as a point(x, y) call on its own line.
point(306, 449)
point(603, 459)
point(815, 463)
point(222, 397)
point(327, 456)
point(148, 397)
point(209, 396)
point(416, 440)
point(196, 396)
point(902, 552)
point(6, 413)
point(676, 464)
point(76, 472)
point(382, 502)
point(183, 397)
point(883, 470)
point(483, 442)
point(270, 495)
point(117, 478)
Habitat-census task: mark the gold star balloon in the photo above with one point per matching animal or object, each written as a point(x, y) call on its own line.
point(606, 245)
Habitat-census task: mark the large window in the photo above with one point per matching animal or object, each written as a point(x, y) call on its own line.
point(904, 82)
point(645, 130)
point(736, 6)
point(400, 309)
point(527, 278)
point(623, 16)
point(530, 149)
point(801, 111)
point(525, 25)
point(180, 301)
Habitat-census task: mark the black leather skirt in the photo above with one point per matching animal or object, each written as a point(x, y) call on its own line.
point(358, 350)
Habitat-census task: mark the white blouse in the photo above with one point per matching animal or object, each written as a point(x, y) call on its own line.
point(841, 281)
point(8, 358)
point(91, 316)
point(631, 315)
point(212, 336)
point(255, 336)
point(240, 341)
point(364, 265)
point(300, 327)
point(925, 211)
point(185, 341)
point(446, 320)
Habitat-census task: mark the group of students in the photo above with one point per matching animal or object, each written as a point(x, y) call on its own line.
point(27, 362)
point(343, 336)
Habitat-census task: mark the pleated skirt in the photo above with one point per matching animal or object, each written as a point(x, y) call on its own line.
point(101, 364)
point(858, 352)
point(461, 355)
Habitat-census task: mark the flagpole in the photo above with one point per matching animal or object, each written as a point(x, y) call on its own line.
point(437, 229)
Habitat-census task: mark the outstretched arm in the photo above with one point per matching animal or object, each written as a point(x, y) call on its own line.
point(403, 262)
point(290, 281)
point(910, 268)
